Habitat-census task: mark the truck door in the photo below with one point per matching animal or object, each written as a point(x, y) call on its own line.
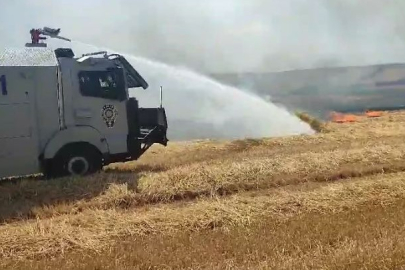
point(100, 103)
point(18, 141)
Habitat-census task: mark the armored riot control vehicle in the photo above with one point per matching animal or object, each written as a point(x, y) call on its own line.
point(66, 115)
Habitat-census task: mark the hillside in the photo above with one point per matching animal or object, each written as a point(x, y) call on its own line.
point(319, 91)
point(333, 200)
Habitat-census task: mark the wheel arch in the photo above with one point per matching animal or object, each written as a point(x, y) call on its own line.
point(77, 145)
point(75, 135)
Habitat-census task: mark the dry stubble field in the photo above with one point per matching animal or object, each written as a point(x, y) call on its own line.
point(334, 200)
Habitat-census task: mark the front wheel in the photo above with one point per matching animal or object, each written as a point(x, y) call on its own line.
point(78, 160)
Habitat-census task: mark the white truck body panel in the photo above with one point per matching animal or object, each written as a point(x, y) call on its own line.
point(28, 108)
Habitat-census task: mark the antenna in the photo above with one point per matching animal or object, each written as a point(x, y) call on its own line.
point(161, 97)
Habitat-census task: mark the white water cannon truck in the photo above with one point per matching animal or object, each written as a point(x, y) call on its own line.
point(63, 115)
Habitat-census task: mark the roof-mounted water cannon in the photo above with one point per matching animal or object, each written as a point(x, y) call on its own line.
point(39, 34)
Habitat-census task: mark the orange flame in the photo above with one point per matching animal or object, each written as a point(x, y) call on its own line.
point(343, 118)
point(349, 118)
point(373, 113)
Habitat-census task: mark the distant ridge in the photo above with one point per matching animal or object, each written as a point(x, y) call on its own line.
point(321, 90)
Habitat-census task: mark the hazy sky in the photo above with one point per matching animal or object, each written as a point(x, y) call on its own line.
point(223, 35)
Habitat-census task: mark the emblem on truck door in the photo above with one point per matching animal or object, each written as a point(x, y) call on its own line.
point(109, 114)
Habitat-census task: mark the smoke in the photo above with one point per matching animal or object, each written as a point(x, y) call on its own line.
point(223, 36)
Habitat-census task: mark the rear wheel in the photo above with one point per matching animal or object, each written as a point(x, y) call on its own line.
point(77, 160)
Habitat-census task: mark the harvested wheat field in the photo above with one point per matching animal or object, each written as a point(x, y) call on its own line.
point(334, 200)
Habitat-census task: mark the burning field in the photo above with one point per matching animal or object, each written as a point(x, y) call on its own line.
point(333, 200)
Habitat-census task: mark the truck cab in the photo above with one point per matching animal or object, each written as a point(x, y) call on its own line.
point(75, 114)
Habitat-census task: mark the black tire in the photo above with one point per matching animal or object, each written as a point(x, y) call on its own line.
point(76, 160)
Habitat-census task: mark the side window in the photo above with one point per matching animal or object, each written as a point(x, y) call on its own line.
point(107, 84)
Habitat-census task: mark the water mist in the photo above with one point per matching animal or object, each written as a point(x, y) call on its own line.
point(198, 107)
